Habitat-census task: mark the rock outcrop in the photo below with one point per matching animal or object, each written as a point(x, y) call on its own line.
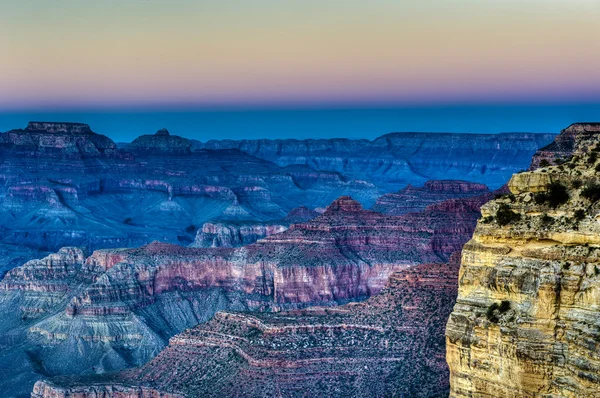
point(398, 159)
point(563, 146)
point(235, 234)
point(132, 300)
point(389, 345)
point(412, 199)
point(63, 185)
point(527, 318)
point(161, 143)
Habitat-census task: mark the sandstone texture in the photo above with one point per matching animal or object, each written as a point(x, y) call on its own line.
point(527, 319)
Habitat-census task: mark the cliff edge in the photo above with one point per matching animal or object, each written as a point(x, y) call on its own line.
point(527, 318)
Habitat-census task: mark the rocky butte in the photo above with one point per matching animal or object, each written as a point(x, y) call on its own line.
point(527, 319)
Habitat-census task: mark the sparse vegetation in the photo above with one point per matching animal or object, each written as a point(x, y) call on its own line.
point(579, 214)
point(488, 219)
point(576, 184)
point(592, 158)
point(540, 198)
point(505, 215)
point(547, 220)
point(504, 306)
point(496, 309)
point(591, 192)
point(544, 163)
point(557, 194)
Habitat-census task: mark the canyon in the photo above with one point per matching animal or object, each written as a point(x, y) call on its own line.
point(167, 250)
point(358, 349)
point(61, 184)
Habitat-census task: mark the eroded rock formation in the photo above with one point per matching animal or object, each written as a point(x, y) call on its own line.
point(395, 160)
point(527, 318)
point(389, 345)
point(118, 307)
point(412, 199)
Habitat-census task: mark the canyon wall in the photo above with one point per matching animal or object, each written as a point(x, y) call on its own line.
point(527, 319)
point(395, 160)
point(390, 345)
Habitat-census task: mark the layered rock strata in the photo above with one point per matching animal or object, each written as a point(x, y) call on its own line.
point(527, 318)
point(132, 300)
point(241, 233)
point(395, 160)
point(412, 199)
point(389, 345)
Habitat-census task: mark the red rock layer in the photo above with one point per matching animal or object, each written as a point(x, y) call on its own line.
point(389, 345)
point(413, 199)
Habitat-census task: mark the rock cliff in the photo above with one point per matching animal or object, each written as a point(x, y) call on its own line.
point(162, 143)
point(118, 307)
point(527, 319)
point(389, 345)
point(412, 199)
point(395, 160)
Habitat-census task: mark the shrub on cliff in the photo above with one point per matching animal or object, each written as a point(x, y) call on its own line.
point(579, 214)
point(544, 163)
point(591, 192)
point(547, 220)
point(557, 194)
point(505, 215)
point(496, 309)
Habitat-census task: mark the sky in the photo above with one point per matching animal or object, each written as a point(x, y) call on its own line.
point(151, 57)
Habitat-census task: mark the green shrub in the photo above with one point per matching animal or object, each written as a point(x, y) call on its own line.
point(597, 168)
point(547, 220)
point(591, 192)
point(557, 194)
point(592, 158)
point(579, 214)
point(505, 215)
point(540, 198)
point(495, 307)
point(488, 219)
point(576, 184)
point(490, 315)
point(544, 163)
point(504, 306)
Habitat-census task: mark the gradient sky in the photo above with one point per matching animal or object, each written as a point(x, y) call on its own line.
point(72, 54)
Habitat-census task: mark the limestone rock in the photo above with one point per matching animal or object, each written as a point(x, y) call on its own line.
point(527, 319)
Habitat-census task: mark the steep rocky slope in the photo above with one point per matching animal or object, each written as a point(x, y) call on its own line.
point(527, 318)
point(389, 345)
point(412, 199)
point(241, 233)
point(118, 307)
point(61, 184)
point(395, 160)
